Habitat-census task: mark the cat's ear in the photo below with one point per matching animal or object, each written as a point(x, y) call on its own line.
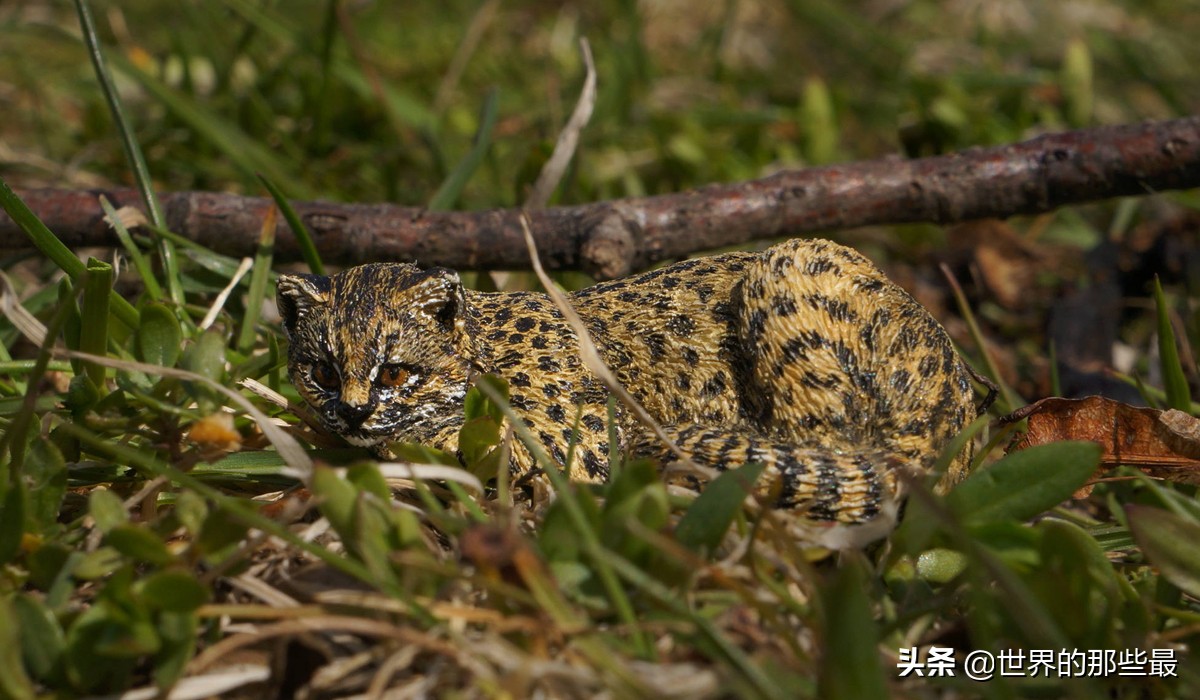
point(297, 295)
point(439, 295)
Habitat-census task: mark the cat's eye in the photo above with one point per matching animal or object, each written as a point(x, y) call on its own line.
point(325, 376)
point(394, 375)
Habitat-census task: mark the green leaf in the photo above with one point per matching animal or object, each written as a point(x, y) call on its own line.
point(106, 509)
point(367, 477)
point(46, 474)
point(1074, 574)
point(222, 532)
point(207, 356)
point(46, 563)
point(704, 524)
point(103, 644)
point(159, 339)
point(14, 681)
point(174, 590)
point(1025, 483)
point(636, 495)
point(850, 666)
point(139, 543)
point(191, 510)
point(12, 522)
point(98, 563)
point(478, 437)
point(42, 640)
point(82, 395)
point(478, 405)
point(1169, 543)
point(1179, 396)
point(337, 500)
point(178, 634)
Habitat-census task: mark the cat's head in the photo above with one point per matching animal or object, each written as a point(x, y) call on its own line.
point(380, 351)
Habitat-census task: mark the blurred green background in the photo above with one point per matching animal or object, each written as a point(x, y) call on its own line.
point(373, 101)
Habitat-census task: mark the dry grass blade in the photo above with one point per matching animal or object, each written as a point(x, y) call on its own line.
point(219, 302)
point(588, 352)
point(263, 392)
point(568, 140)
point(324, 624)
point(429, 472)
point(22, 320)
point(210, 685)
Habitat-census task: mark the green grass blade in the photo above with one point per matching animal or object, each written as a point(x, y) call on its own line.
point(451, 189)
point(13, 438)
point(132, 152)
point(93, 331)
point(719, 646)
point(308, 249)
point(260, 276)
point(140, 263)
point(589, 540)
point(59, 254)
point(964, 307)
point(1179, 396)
point(704, 524)
point(851, 667)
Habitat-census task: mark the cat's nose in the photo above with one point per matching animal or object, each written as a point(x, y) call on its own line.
point(353, 415)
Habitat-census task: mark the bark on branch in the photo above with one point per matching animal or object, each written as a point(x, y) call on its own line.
point(610, 239)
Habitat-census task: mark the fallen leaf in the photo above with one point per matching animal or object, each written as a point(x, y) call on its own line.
point(1163, 444)
point(1006, 262)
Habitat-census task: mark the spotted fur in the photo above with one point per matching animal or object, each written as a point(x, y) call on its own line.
point(803, 356)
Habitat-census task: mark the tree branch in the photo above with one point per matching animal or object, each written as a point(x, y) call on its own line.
point(610, 239)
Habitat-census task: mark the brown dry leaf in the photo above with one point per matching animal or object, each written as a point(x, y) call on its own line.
point(1007, 263)
point(1163, 444)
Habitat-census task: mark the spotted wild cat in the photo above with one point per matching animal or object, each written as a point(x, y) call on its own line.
point(803, 356)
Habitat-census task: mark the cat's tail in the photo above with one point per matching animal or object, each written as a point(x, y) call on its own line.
point(851, 486)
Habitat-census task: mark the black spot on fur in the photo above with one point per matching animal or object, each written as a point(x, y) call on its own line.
point(681, 325)
point(819, 265)
point(713, 387)
point(657, 345)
